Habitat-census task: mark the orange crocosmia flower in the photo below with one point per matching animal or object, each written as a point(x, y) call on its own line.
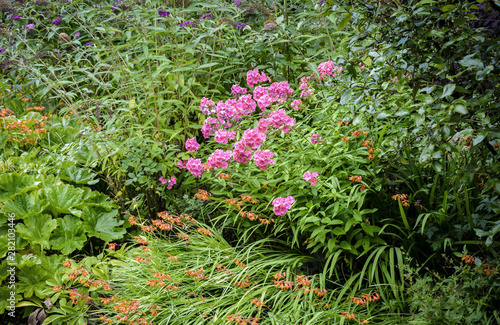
point(302, 280)
point(237, 262)
point(203, 231)
point(355, 179)
point(348, 315)
point(258, 303)
point(279, 276)
point(173, 258)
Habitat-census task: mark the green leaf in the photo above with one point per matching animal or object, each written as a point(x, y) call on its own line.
point(78, 175)
point(425, 98)
point(448, 90)
point(344, 21)
point(472, 63)
point(25, 204)
point(69, 236)
point(459, 106)
point(15, 184)
point(448, 8)
point(100, 223)
point(63, 198)
point(32, 281)
point(37, 229)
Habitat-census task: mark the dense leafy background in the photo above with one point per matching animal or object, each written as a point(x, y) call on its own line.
point(99, 99)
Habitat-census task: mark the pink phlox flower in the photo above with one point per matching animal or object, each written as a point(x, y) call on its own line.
point(311, 177)
point(207, 106)
point(264, 101)
point(297, 104)
point(163, 180)
point(171, 182)
point(210, 125)
point(253, 138)
point(263, 124)
point(240, 154)
point(246, 105)
point(260, 91)
point(192, 145)
point(314, 138)
point(237, 90)
point(305, 86)
point(195, 167)
point(253, 77)
point(222, 136)
point(327, 68)
point(182, 164)
point(282, 205)
point(262, 158)
point(279, 120)
point(280, 91)
point(219, 158)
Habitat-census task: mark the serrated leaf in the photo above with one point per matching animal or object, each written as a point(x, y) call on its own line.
point(100, 223)
point(37, 229)
point(77, 175)
point(69, 236)
point(63, 198)
point(14, 184)
point(25, 204)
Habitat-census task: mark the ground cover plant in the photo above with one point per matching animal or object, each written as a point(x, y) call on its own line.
point(249, 162)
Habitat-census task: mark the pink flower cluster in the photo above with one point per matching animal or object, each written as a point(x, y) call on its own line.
point(280, 91)
point(280, 120)
point(296, 104)
point(195, 167)
point(240, 154)
point(182, 164)
point(328, 68)
point(314, 138)
point(262, 158)
point(223, 136)
point(237, 90)
point(253, 77)
point(207, 106)
point(219, 158)
point(311, 177)
point(306, 87)
point(282, 205)
point(210, 125)
point(253, 138)
point(192, 145)
point(171, 182)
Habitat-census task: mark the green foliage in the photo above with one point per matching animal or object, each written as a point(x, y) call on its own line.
point(468, 295)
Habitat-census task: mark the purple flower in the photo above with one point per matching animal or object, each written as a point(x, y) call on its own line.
point(17, 17)
point(77, 34)
point(206, 16)
point(163, 13)
point(241, 26)
point(321, 2)
point(88, 44)
point(238, 3)
point(185, 23)
point(57, 21)
point(2, 50)
point(30, 26)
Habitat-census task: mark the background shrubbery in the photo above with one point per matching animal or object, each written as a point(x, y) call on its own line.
point(99, 99)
